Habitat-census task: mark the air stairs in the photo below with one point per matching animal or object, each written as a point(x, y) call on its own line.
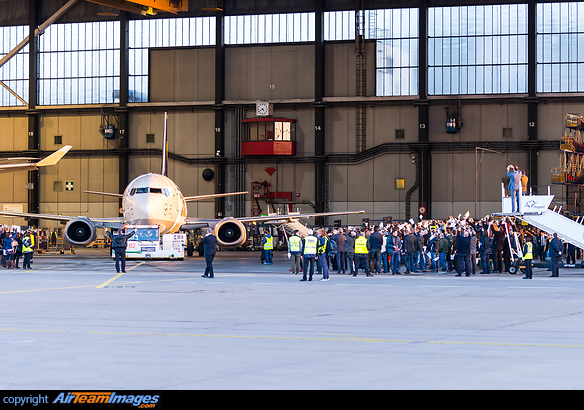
point(290, 225)
point(535, 210)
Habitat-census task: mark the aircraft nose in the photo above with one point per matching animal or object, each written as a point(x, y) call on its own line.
point(144, 205)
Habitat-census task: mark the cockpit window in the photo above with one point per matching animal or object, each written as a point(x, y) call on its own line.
point(151, 190)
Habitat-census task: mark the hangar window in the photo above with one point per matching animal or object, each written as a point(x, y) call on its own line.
point(79, 63)
point(14, 74)
point(269, 28)
point(170, 32)
point(560, 47)
point(397, 49)
point(477, 49)
point(339, 25)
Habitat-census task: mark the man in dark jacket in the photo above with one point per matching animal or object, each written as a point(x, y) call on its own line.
point(463, 240)
point(350, 250)
point(341, 252)
point(375, 242)
point(409, 251)
point(485, 251)
point(556, 248)
point(119, 244)
point(209, 242)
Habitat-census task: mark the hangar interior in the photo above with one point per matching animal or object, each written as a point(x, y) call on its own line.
point(361, 95)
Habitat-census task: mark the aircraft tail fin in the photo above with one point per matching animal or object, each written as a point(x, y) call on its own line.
point(54, 157)
point(164, 149)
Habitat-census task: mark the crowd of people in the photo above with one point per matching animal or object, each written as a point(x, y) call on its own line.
point(16, 244)
point(461, 245)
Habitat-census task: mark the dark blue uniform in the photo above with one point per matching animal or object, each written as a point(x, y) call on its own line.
point(119, 243)
point(209, 243)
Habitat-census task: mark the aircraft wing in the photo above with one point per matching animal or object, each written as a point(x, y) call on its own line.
point(199, 197)
point(28, 166)
point(192, 223)
point(294, 217)
point(104, 193)
point(114, 223)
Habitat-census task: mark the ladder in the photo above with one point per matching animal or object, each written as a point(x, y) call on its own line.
point(361, 77)
point(256, 210)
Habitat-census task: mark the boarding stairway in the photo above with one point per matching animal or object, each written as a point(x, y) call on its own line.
point(534, 210)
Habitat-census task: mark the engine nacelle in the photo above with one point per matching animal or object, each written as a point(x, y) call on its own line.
point(230, 232)
point(80, 231)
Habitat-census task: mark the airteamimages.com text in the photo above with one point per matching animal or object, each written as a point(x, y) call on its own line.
point(82, 398)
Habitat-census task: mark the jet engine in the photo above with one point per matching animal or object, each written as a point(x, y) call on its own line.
point(230, 232)
point(80, 231)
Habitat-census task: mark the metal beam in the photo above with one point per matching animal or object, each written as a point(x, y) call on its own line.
point(219, 108)
point(125, 6)
point(424, 163)
point(320, 173)
point(38, 31)
point(34, 193)
point(13, 93)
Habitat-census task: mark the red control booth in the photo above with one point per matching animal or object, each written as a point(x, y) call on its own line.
point(269, 136)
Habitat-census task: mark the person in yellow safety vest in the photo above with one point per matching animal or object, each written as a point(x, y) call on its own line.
point(295, 251)
point(309, 244)
point(322, 253)
point(361, 253)
point(268, 243)
point(27, 250)
point(528, 257)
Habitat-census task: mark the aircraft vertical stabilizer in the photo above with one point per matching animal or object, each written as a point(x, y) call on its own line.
point(165, 149)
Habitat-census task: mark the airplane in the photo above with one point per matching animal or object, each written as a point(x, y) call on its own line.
point(154, 199)
point(31, 166)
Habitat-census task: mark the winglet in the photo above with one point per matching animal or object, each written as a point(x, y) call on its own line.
point(54, 157)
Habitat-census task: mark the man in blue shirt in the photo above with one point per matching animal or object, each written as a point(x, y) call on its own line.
point(514, 186)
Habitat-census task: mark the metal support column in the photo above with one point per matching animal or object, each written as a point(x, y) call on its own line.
point(361, 76)
point(33, 115)
point(532, 91)
point(424, 157)
point(319, 113)
point(220, 112)
point(122, 111)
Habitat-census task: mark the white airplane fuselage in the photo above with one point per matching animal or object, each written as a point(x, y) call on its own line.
point(154, 199)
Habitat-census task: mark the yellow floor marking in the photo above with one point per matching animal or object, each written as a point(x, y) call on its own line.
point(37, 290)
point(107, 282)
point(33, 330)
point(331, 339)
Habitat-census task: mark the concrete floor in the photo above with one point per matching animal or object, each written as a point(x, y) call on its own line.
point(72, 323)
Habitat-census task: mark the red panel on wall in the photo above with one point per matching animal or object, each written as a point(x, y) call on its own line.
point(268, 148)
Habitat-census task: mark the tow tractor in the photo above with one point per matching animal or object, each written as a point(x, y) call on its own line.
point(146, 243)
